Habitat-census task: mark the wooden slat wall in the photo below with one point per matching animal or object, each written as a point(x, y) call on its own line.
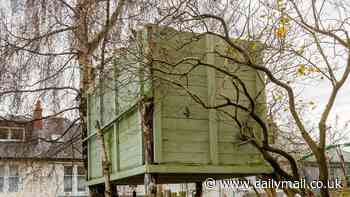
point(187, 139)
point(95, 166)
point(130, 141)
point(184, 122)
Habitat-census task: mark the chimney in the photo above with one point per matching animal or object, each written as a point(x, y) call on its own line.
point(37, 116)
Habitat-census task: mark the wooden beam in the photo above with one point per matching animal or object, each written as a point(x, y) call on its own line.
point(157, 122)
point(117, 149)
point(213, 125)
point(210, 169)
point(199, 189)
point(150, 185)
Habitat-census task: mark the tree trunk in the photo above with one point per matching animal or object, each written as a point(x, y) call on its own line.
point(323, 169)
point(105, 161)
point(150, 185)
point(146, 111)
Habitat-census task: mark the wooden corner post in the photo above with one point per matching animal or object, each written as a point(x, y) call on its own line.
point(146, 112)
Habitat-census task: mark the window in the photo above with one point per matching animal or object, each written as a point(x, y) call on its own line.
point(74, 180)
point(13, 179)
point(16, 6)
point(81, 179)
point(17, 134)
point(2, 178)
point(4, 133)
point(12, 134)
point(68, 178)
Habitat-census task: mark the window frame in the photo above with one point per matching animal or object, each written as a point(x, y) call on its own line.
point(80, 176)
point(2, 177)
point(9, 134)
point(13, 177)
point(71, 178)
point(75, 181)
point(9, 175)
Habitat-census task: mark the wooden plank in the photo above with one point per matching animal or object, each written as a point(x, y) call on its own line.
point(190, 80)
point(185, 124)
point(240, 159)
point(177, 146)
point(157, 129)
point(213, 127)
point(227, 125)
point(185, 136)
point(228, 136)
point(129, 134)
point(209, 169)
point(116, 145)
point(235, 148)
point(185, 110)
point(120, 175)
point(129, 145)
point(108, 112)
point(180, 99)
point(89, 160)
point(95, 164)
point(189, 158)
point(130, 162)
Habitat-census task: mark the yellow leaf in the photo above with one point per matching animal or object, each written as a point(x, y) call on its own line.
point(301, 69)
point(232, 53)
point(279, 97)
point(254, 45)
point(284, 20)
point(281, 32)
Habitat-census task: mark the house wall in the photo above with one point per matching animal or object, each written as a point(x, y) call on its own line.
point(40, 179)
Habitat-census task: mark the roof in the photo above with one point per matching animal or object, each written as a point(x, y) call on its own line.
point(41, 144)
point(332, 153)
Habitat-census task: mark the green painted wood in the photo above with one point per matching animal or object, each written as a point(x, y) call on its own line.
point(157, 130)
point(185, 135)
point(207, 169)
point(243, 161)
point(95, 159)
point(172, 146)
point(235, 148)
point(119, 175)
point(184, 132)
point(185, 124)
point(212, 91)
point(116, 160)
point(130, 141)
point(179, 111)
point(186, 158)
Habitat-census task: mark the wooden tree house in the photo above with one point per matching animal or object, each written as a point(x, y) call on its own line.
point(153, 123)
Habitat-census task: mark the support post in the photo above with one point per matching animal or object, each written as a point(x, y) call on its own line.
point(213, 123)
point(167, 193)
point(146, 111)
point(97, 191)
point(114, 190)
point(150, 185)
point(199, 189)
